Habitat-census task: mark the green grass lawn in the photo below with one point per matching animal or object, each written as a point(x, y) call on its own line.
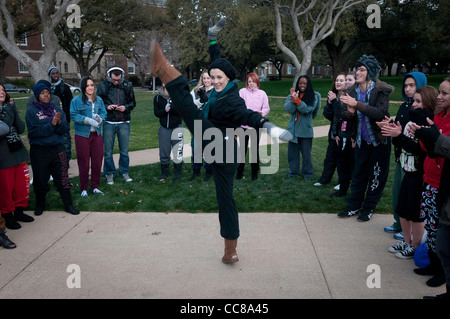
point(270, 193)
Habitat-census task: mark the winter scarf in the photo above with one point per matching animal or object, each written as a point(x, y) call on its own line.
point(12, 137)
point(47, 108)
point(214, 96)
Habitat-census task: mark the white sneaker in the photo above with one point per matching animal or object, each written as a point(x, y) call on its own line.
point(317, 184)
point(127, 178)
point(84, 194)
point(109, 179)
point(337, 187)
point(97, 191)
point(398, 247)
point(406, 253)
point(399, 236)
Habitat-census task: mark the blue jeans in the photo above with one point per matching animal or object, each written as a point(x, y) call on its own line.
point(123, 136)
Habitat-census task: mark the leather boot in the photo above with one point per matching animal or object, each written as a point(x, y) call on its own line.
point(40, 204)
point(230, 256)
point(438, 278)
point(67, 201)
point(177, 171)
point(164, 172)
point(255, 169)
point(195, 173)
point(240, 171)
point(208, 175)
point(160, 66)
point(10, 221)
point(5, 241)
point(21, 216)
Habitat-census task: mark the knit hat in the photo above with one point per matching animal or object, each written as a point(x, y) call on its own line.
point(38, 88)
point(224, 66)
point(372, 65)
point(51, 68)
point(47, 83)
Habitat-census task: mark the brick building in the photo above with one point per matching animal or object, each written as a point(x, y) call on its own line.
point(33, 45)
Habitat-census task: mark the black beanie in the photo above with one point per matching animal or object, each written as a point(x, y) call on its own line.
point(224, 66)
point(372, 65)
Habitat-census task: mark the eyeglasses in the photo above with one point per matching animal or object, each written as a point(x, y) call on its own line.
point(361, 70)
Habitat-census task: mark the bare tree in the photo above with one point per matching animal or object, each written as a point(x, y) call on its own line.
point(50, 15)
point(315, 19)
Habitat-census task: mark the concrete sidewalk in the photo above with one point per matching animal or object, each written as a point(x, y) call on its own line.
point(178, 256)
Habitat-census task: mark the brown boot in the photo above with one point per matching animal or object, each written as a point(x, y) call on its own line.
point(230, 256)
point(160, 66)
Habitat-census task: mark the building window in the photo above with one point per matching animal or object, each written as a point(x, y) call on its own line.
point(66, 67)
point(289, 69)
point(131, 68)
point(23, 39)
point(22, 68)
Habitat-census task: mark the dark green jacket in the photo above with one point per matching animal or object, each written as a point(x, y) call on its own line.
point(7, 157)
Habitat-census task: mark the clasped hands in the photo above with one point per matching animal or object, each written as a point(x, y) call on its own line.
point(57, 118)
point(120, 108)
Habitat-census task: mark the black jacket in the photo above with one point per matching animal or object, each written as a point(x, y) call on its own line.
point(64, 93)
point(402, 117)
point(171, 119)
point(229, 111)
point(376, 109)
point(122, 94)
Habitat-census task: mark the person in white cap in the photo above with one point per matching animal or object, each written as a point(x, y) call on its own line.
point(118, 96)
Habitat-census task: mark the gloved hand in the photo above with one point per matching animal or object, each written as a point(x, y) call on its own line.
point(91, 122)
point(202, 95)
point(277, 132)
point(98, 119)
point(419, 116)
point(428, 135)
point(215, 29)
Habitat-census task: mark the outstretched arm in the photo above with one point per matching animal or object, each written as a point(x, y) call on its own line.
point(214, 50)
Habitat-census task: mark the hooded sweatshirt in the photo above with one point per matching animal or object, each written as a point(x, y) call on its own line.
point(403, 112)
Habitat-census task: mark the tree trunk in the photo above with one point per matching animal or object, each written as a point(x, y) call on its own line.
point(307, 16)
point(37, 69)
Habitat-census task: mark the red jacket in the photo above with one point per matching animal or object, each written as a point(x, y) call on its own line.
point(433, 166)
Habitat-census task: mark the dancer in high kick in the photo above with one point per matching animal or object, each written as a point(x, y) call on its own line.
point(224, 110)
